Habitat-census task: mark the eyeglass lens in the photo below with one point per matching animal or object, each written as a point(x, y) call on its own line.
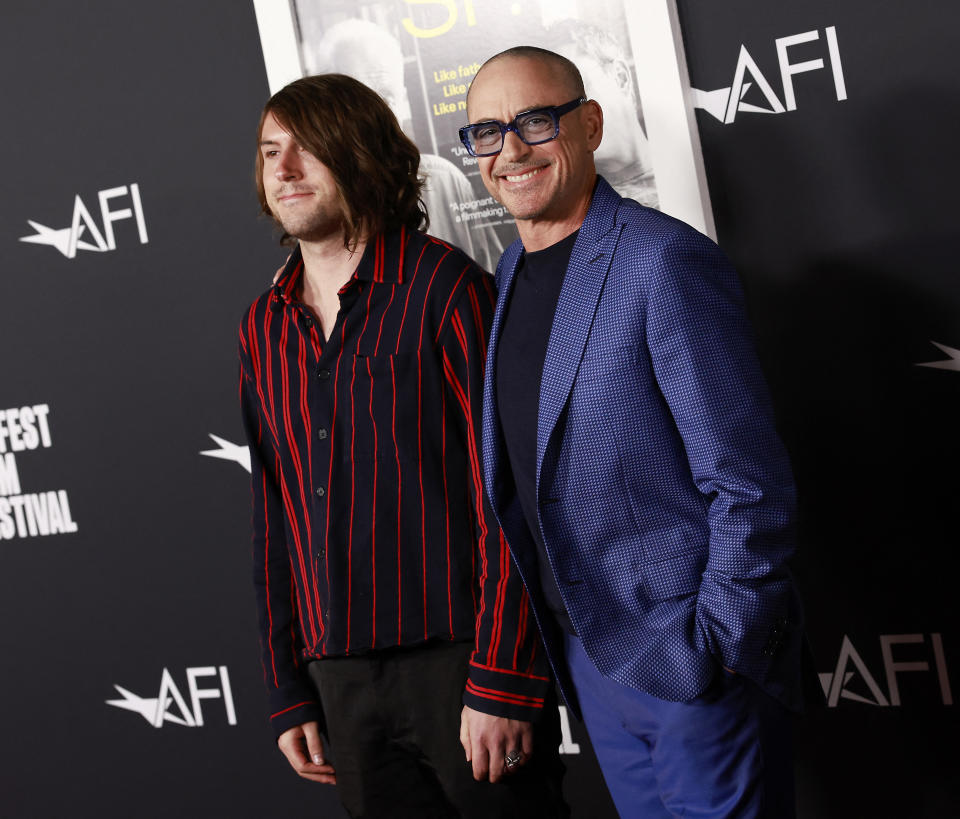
point(532, 127)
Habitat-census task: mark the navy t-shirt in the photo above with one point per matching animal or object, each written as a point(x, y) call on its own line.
point(528, 317)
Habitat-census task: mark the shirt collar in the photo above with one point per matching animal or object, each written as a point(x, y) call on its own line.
point(286, 286)
point(383, 260)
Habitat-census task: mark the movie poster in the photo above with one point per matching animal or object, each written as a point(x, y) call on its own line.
point(420, 56)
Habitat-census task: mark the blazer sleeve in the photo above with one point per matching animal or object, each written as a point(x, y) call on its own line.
point(703, 356)
point(508, 674)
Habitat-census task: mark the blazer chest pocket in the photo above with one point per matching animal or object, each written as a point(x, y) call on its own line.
point(610, 364)
point(675, 576)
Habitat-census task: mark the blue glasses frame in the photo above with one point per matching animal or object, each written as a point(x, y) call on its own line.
point(553, 111)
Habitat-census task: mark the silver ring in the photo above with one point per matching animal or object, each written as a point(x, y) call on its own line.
point(512, 759)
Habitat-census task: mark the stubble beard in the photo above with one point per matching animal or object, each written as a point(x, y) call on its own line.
point(522, 206)
point(314, 226)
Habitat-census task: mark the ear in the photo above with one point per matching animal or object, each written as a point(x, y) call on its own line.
point(593, 124)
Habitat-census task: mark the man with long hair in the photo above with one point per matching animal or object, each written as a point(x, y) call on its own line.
point(392, 620)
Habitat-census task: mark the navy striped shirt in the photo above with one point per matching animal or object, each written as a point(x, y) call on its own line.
point(370, 526)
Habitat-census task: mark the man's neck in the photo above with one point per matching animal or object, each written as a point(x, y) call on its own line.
point(542, 235)
point(327, 267)
point(327, 264)
point(538, 234)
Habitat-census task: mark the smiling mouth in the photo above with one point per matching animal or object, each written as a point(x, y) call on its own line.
point(523, 176)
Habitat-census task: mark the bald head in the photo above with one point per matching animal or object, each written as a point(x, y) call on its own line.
point(566, 72)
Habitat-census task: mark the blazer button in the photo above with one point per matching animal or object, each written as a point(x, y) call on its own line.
point(324, 375)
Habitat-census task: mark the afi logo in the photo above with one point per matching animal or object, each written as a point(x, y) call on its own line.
point(157, 710)
point(724, 103)
point(228, 451)
point(83, 233)
point(835, 683)
point(952, 363)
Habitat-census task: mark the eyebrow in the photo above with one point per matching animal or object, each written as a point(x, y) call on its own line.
point(523, 110)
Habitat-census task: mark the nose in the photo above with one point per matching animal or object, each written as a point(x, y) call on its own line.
point(514, 148)
point(288, 165)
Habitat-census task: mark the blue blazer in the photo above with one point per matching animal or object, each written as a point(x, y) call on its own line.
point(664, 494)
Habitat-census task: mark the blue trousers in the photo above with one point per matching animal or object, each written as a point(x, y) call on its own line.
point(727, 753)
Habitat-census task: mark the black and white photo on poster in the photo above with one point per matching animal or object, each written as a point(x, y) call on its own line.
point(421, 55)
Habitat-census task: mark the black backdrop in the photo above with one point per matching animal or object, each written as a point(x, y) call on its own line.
point(837, 214)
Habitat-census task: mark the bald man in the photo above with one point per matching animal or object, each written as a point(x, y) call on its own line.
point(631, 459)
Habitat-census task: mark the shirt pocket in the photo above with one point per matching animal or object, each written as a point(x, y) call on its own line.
point(384, 412)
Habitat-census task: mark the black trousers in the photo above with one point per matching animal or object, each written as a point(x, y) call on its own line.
point(393, 728)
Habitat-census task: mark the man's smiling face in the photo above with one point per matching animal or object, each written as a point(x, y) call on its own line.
point(547, 183)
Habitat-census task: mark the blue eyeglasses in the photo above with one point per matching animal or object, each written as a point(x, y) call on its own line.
point(533, 127)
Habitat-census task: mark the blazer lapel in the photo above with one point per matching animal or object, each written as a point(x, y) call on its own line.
point(576, 308)
point(493, 443)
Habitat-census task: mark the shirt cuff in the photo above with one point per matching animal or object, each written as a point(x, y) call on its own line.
point(505, 693)
point(294, 704)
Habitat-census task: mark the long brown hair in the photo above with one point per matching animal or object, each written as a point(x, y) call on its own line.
point(351, 130)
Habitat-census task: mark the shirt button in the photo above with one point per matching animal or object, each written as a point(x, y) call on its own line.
point(322, 434)
point(324, 375)
point(308, 321)
point(320, 491)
